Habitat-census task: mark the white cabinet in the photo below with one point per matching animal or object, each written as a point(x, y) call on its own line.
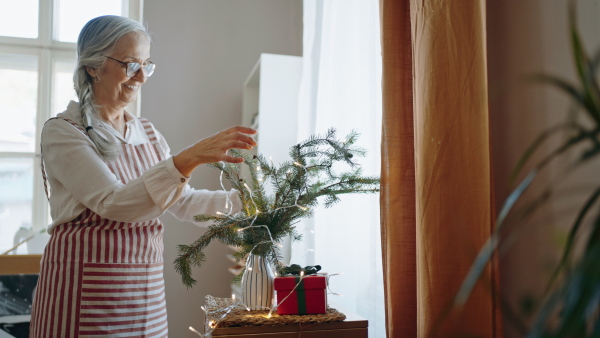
point(270, 105)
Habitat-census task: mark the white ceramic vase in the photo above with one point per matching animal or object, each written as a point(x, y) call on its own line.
point(257, 283)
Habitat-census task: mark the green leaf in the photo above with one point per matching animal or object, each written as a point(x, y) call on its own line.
point(584, 66)
point(531, 150)
point(491, 244)
point(581, 97)
point(572, 234)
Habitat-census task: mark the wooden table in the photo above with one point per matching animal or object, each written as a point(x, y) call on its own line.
point(353, 327)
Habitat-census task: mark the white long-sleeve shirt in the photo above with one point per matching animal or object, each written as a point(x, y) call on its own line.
point(79, 178)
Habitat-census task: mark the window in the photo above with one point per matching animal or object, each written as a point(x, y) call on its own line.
point(37, 59)
point(340, 87)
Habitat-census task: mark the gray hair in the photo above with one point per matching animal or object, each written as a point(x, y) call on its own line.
point(96, 38)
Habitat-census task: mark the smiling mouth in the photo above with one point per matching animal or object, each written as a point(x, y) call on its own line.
point(132, 87)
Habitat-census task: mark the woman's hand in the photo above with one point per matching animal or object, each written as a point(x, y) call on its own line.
point(214, 149)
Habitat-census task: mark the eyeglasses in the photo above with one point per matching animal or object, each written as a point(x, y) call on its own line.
point(134, 67)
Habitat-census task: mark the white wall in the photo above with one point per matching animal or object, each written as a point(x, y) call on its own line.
point(204, 49)
point(527, 37)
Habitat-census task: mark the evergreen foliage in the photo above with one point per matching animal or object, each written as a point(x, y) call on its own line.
point(296, 184)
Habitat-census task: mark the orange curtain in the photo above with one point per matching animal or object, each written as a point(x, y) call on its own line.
point(436, 209)
point(398, 230)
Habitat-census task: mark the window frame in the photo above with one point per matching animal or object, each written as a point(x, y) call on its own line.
point(48, 52)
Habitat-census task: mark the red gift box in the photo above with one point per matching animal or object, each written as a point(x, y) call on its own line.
point(310, 297)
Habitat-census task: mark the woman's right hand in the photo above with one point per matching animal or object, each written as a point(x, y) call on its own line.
point(214, 149)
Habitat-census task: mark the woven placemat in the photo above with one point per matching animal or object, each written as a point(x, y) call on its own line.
point(227, 312)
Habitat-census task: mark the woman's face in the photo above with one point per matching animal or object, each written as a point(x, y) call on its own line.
point(113, 89)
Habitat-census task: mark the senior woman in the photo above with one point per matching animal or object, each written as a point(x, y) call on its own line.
point(109, 176)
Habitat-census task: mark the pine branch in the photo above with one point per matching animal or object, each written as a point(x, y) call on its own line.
point(192, 255)
point(297, 185)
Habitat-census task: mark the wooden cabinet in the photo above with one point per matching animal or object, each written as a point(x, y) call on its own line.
point(19, 264)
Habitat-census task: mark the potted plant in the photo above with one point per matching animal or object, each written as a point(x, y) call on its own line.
point(571, 305)
point(296, 186)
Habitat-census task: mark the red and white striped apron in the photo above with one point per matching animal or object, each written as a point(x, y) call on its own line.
point(101, 277)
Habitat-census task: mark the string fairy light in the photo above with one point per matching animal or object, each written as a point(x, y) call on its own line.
point(259, 173)
point(212, 324)
point(258, 226)
point(274, 307)
point(262, 225)
point(228, 203)
point(328, 289)
point(252, 197)
point(196, 332)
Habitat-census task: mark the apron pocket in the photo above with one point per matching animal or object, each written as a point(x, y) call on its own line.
point(122, 300)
